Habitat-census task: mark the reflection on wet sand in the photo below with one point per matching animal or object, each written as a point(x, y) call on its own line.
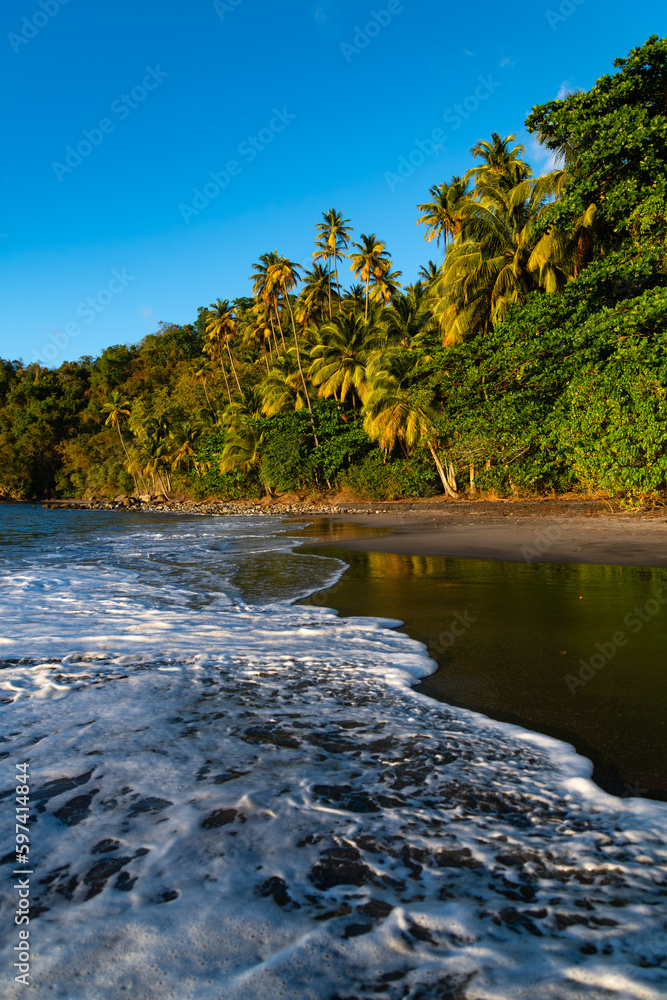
point(512, 640)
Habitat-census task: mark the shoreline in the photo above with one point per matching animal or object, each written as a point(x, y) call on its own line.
point(410, 551)
point(617, 540)
point(405, 566)
point(533, 531)
point(279, 764)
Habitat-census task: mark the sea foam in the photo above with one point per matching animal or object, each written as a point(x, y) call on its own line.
point(246, 799)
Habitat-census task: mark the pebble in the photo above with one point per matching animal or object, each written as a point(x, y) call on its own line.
point(210, 508)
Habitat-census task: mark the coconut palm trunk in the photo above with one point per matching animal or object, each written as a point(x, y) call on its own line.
point(127, 455)
point(298, 361)
point(329, 270)
point(231, 361)
point(280, 326)
point(206, 394)
point(224, 375)
point(273, 331)
point(136, 469)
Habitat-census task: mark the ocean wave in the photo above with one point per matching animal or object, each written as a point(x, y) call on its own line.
point(250, 801)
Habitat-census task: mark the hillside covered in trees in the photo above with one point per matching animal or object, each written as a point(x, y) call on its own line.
point(531, 357)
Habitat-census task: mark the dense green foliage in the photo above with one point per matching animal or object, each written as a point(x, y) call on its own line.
point(533, 358)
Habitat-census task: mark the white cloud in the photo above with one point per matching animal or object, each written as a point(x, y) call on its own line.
point(566, 88)
point(541, 159)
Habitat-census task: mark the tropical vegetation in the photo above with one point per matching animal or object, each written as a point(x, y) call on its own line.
point(531, 356)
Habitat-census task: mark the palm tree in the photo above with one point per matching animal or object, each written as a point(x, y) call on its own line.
point(340, 357)
point(355, 296)
point(264, 288)
point(261, 330)
point(117, 407)
point(386, 286)
point(410, 316)
point(210, 349)
point(242, 448)
point(148, 457)
point(442, 216)
point(201, 375)
point(562, 253)
point(396, 411)
point(499, 256)
point(428, 274)
point(135, 466)
point(370, 260)
point(184, 441)
point(213, 348)
point(334, 235)
point(284, 273)
point(221, 327)
point(158, 427)
point(316, 292)
point(155, 447)
point(281, 389)
point(246, 408)
point(503, 167)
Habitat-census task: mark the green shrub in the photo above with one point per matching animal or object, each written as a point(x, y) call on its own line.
point(285, 460)
point(613, 431)
point(375, 479)
point(225, 485)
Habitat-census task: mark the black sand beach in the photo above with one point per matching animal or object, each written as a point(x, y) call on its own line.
point(515, 611)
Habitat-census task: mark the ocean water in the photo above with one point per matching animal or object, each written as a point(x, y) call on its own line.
point(236, 797)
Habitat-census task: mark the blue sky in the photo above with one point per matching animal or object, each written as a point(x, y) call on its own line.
point(117, 112)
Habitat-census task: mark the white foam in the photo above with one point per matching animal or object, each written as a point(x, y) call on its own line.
point(266, 808)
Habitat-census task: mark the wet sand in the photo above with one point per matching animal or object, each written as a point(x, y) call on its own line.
point(558, 529)
point(531, 597)
point(532, 532)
